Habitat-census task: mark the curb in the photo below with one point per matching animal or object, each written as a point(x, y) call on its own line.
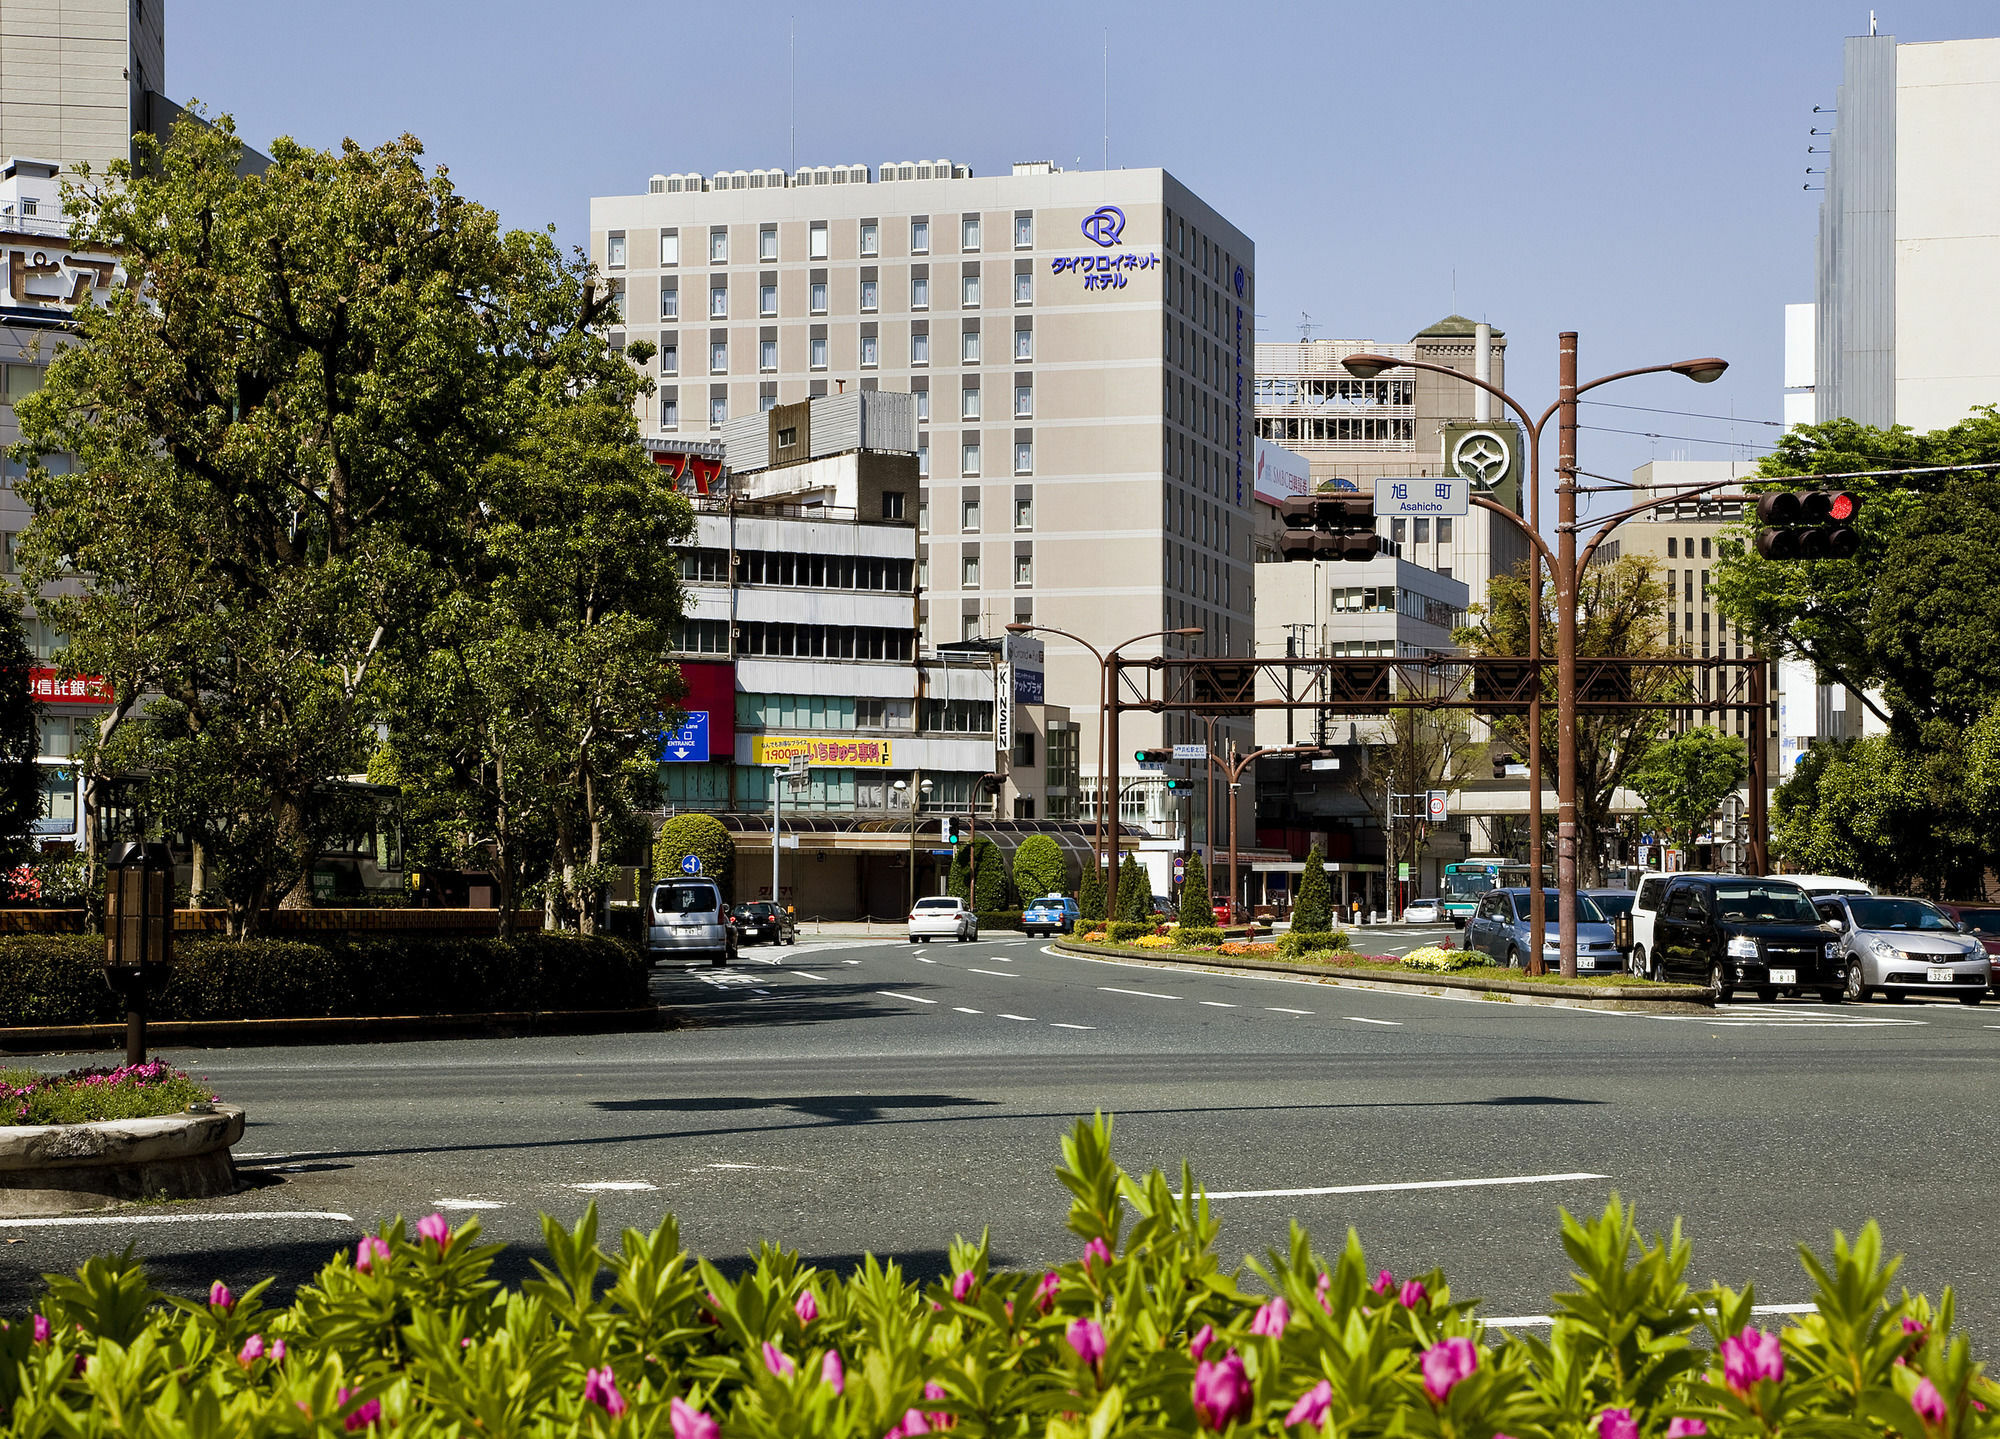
point(1673, 999)
point(53, 1169)
point(354, 1029)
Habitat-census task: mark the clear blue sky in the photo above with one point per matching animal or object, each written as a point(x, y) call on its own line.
point(1629, 170)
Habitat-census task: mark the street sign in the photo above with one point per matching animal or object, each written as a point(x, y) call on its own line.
point(1434, 804)
point(1445, 495)
point(1403, 870)
point(788, 841)
point(690, 864)
point(941, 851)
point(1326, 764)
point(1151, 766)
point(1190, 751)
point(1180, 870)
point(689, 743)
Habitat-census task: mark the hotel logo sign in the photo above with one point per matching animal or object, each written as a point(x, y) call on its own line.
point(1104, 225)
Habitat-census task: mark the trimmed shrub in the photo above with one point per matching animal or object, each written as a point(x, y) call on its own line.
point(1327, 941)
point(998, 918)
point(1189, 936)
point(1123, 931)
point(996, 885)
point(1090, 893)
point(1313, 914)
point(1039, 868)
point(1196, 910)
point(1440, 961)
point(1135, 890)
point(703, 836)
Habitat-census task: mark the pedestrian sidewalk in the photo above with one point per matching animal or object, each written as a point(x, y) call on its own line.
point(852, 928)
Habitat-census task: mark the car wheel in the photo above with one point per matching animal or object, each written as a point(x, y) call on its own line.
point(1856, 990)
point(1832, 996)
point(1513, 957)
point(1715, 982)
point(1894, 996)
point(1767, 996)
point(1637, 961)
point(1659, 975)
point(1970, 998)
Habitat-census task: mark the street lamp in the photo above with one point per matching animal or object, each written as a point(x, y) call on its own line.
point(902, 786)
point(138, 931)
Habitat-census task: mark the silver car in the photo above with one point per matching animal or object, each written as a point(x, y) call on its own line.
point(1897, 947)
point(687, 919)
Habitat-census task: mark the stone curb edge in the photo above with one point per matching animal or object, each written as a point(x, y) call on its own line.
point(354, 1029)
point(1677, 999)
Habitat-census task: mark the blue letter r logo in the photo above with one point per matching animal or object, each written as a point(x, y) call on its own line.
point(1104, 225)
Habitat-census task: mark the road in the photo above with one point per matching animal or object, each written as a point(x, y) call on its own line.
point(885, 1096)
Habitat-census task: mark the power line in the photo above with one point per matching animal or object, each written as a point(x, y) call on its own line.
point(1690, 439)
point(1691, 414)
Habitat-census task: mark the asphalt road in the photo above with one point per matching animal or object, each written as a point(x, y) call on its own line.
point(885, 1096)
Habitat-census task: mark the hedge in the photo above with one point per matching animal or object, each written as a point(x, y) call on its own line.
point(1324, 941)
point(1144, 1332)
point(1121, 930)
point(998, 918)
point(59, 978)
point(1194, 934)
point(705, 837)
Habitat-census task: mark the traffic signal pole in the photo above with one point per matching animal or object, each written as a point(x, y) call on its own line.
point(1566, 603)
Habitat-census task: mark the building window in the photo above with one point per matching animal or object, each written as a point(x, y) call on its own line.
point(1024, 513)
point(969, 291)
point(871, 291)
point(1024, 457)
point(718, 303)
point(968, 404)
point(923, 462)
point(816, 242)
point(920, 350)
point(970, 572)
point(968, 515)
point(718, 358)
point(968, 459)
point(920, 293)
point(718, 411)
point(767, 299)
point(1673, 547)
point(892, 504)
point(1024, 570)
point(670, 358)
point(968, 234)
point(767, 354)
point(923, 574)
point(923, 515)
point(1024, 402)
point(1024, 289)
point(617, 300)
point(968, 347)
point(767, 243)
point(670, 302)
point(871, 238)
point(718, 245)
point(818, 354)
point(923, 398)
point(1399, 530)
point(920, 237)
point(614, 251)
point(1024, 231)
point(1704, 547)
point(1024, 344)
point(766, 404)
point(670, 414)
point(871, 353)
point(670, 247)
point(817, 300)
point(1444, 532)
point(1423, 535)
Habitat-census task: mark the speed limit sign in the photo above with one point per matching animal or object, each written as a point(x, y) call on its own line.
point(1436, 806)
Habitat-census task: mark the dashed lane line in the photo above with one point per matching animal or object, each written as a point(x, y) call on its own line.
point(1361, 1019)
point(323, 1216)
point(1216, 1004)
point(1280, 1009)
point(1058, 1024)
point(1140, 993)
point(913, 998)
point(803, 975)
point(1396, 1188)
point(961, 1009)
point(608, 1186)
point(1024, 1018)
point(1544, 1321)
point(996, 973)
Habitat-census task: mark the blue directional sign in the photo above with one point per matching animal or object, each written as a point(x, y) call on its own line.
point(690, 864)
point(689, 743)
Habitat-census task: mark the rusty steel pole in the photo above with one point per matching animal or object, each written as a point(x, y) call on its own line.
point(1567, 838)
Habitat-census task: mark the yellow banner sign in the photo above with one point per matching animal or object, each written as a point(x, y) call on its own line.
point(819, 750)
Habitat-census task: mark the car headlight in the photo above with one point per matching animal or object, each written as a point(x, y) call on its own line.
point(1742, 946)
point(1883, 949)
point(1832, 950)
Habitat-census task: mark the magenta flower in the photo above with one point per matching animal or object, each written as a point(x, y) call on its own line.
point(1749, 1357)
point(1445, 1364)
point(806, 1307)
point(219, 1297)
point(364, 1414)
point(1221, 1392)
point(1086, 1339)
point(1686, 1429)
point(600, 1387)
point(913, 1423)
point(963, 1285)
point(1312, 1406)
point(1412, 1293)
point(1384, 1282)
point(831, 1373)
point(776, 1362)
point(940, 1418)
point(252, 1350)
point(436, 1228)
point(277, 1351)
point(1617, 1424)
point(368, 1251)
point(1323, 1291)
point(1096, 1252)
point(1928, 1403)
point(690, 1423)
point(1271, 1319)
point(1198, 1345)
point(1045, 1292)
point(41, 1329)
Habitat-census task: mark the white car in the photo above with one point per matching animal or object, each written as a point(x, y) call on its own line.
point(1424, 911)
point(942, 917)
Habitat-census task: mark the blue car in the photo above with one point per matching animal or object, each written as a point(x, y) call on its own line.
point(1499, 929)
point(1051, 914)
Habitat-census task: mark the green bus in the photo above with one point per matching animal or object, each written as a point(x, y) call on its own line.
point(1468, 879)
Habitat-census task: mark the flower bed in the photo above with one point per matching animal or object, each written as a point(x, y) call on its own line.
point(82, 1096)
point(1143, 1333)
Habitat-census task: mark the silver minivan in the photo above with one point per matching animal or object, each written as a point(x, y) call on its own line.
point(687, 919)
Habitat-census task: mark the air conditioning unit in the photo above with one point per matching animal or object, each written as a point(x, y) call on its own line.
point(657, 185)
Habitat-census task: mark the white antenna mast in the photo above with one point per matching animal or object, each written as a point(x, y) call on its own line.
point(793, 163)
point(1107, 99)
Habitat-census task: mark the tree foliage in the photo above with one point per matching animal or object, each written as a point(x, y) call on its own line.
point(1313, 914)
point(1197, 910)
point(1917, 819)
point(1040, 868)
point(1684, 777)
point(1417, 750)
point(20, 738)
point(1090, 892)
point(996, 885)
point(701, 835)
point(1135, 890)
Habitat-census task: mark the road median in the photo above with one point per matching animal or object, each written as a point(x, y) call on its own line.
point(335, 1029)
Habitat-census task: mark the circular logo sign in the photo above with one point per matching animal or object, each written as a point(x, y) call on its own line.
point(1482, 457)
point(690, 864)
point(1239, 282)
point(1104, 225)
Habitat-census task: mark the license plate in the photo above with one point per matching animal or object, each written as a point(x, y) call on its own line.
point(1583, 963)
point(1943, 976)
point(1784, 976)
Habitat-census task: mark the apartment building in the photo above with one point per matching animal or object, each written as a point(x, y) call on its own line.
point(1077, 346)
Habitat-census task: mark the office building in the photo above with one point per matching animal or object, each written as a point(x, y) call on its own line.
point(1906, 314)
point(1078, 349)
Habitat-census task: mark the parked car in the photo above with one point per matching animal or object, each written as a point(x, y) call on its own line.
point(1732, 931)
point(762, 920)
point(1499, 929)
point(1646, 903)
point(1051, 914)
point(1611, 903)
point(1819, 886)
point(1424, 911)
point(687, 918)
point(1898, 947)
point(1221, 907)
point(942, 917)
point(1982, 920)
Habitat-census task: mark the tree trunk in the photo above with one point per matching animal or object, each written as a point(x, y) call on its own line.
point(503, 849)
point(295, 844)
point(197, 872)
point(586, 904)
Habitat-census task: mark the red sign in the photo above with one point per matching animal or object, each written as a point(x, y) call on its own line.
point(49, 684)
point(711, 688)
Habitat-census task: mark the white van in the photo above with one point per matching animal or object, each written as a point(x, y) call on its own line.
point(1819, 886)
point(1652, 890)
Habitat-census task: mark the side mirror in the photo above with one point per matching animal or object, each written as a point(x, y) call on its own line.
point(1839, 924)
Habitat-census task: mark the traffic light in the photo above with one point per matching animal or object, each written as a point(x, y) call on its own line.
point(1501, 759)
point(1808, 525)
point(948, 830)
point(1322, 527)
point(1152, 756)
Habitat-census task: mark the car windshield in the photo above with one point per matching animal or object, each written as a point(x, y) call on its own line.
point(1613, 905)
point(1467, 884)
point(1767, 903)
point(1982, 921)
point(937, 904)
point(683, 898)
point(1587, 911)
point(1899, 914)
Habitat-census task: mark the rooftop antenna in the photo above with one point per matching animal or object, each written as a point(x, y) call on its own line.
point(1306, 327)
point(793, 162)
point(1107, 98)
point(1871, 23)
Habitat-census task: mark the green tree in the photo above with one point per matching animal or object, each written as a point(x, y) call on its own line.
point(1418, 750)
point(20, 738)
point(1901, 819)
point(1090, 893)
point(1313, 914)
point(1684, 777)
point(1135, 890)
point(996, 886)
point(1197, 909)
point(1039, 868)
point(700, 835)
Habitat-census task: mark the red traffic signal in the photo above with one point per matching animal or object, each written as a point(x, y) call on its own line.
point(1327, 527)
point(1808, 525)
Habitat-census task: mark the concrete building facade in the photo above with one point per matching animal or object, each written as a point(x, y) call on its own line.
point(79, 77)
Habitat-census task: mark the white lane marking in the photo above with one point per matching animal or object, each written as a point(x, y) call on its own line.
point(599, 1186)
point(761, 991)
point(803, 975)
point(961, 1009)
point(468, 1204)
point(1216, 1004)
point(1141, 993)
point(913, 998)
point(1058, 1024)
point(1543, 1321)
point(1280, 1009)
point(1390, 1188)
point(996, 973)
point(1024, 1018)
point(850, 961)
point(67, 1221)
point(922, 960)
point(1359, 1019)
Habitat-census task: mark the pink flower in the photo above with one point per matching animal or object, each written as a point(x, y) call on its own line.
point(1221, 1392)
point(1086, 1339)
point(963, 1285)
point(368, 1251)
point(219, 1297)
point(252, 1350)
point(366, 1413)
point(1198, 1345)
point(1271, 1319)
point(913, 1423)
point(690, 1423)
point(776, 1362)
point(1749, 1357)
point(41, 1329)
point(436, 1228)
point(1384, 1282)
point(1928, 1403)
point(277, 1351)
point(1617, 1424)
point(831, 1373)
point(1323, 1292)
point(940, 1419)
point(1445, 1364)
point(1686, 1429)
point(1312, 1406)
point(600, 1386)
point(1412, 1293)
point(806, 1307)
point(1045, 1292)
point(1096, 1252)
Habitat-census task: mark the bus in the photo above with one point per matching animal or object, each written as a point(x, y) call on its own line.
point(1468, 879)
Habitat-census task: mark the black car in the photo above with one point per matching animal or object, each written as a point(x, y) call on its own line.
point(1735, 932)
point(763, 920)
